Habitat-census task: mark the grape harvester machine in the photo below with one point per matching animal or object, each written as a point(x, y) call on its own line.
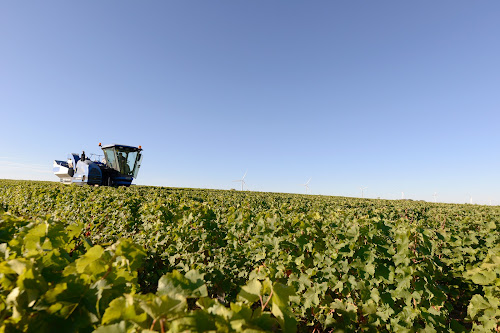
point(119, 167)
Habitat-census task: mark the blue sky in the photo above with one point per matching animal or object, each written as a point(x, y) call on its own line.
point(395, 96)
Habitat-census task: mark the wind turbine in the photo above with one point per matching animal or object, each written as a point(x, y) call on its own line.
point(435, 195)
point(402, 195)
point(242, 180)
point(363, 191)
point(307, 186)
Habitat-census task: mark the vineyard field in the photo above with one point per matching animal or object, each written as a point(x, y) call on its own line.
point(157, 259)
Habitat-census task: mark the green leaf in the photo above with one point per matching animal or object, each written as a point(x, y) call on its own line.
point(87, 263)
point(121, 327)
point(484, 277)
point(133, 252)
point(58, 289)
point(191, 285)
point(197, 321)
point(251, 291)
point(158, 306)
point(124, 308)
point(280, 307)
point(477, 304)
point(17, 266)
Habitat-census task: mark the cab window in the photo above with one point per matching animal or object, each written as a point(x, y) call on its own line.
point(109, 154)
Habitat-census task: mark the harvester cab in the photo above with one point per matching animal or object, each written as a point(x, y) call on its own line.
point(126, 160)
point(119, 167)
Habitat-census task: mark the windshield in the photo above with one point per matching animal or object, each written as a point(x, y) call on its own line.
point(123, 160)
point(109, 155)
point(126, 161)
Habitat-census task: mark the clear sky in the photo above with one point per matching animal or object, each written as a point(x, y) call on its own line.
point(396, 96)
